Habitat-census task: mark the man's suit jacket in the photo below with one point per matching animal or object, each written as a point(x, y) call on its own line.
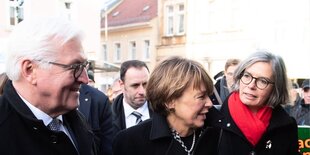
point(96, 107)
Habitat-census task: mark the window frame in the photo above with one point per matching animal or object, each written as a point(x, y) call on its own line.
point(105, 53)
point(132, 50)
point(146, 50)
point(174, 18)
point(16, 12)
point(117, 52)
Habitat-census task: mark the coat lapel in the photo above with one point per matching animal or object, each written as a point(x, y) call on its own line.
point(83, 141)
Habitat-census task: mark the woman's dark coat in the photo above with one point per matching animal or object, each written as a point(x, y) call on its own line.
point(22, 133)
point(153, 137)
point(281, 137)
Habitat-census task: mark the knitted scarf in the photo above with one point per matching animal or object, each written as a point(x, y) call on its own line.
point(252, 125)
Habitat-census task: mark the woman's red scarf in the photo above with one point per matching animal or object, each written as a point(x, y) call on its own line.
point(252, 126)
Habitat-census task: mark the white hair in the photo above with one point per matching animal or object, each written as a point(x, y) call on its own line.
point(38, 39)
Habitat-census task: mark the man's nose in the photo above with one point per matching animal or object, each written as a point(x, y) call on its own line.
point(141, 89)
point(83, 77)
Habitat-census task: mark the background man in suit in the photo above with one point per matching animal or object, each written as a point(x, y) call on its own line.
point(131, 107)
point(96, 107)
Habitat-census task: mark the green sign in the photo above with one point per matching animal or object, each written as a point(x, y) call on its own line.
point(304, 139)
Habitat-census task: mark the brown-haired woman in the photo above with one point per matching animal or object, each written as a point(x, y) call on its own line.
point(3, 80)
point(178, 91)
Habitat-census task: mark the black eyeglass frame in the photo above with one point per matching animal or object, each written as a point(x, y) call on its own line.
point(77, 68)
point(264, 80)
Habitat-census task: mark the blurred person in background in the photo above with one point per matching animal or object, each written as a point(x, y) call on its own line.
point(91, 78)
point(38, 110)
point(301, 111)
point(294, 97)
point(115, 90)
point(294, 94)
point(223, 85)
point(255, 121)
point(178, 91)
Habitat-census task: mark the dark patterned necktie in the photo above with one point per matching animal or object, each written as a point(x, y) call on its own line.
point(138, 115)
point(54, 125)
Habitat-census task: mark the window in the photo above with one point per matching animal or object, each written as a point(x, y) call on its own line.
point(169, 22)
point(132, 50)
point(174, 19)
point(115, 14)
point(146, 50)
point(117, 57)
point(146, 8)
point(180, 19)
point(105, 52)
point(16, 11)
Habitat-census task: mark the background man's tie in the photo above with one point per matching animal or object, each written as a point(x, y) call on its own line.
point(138, 115)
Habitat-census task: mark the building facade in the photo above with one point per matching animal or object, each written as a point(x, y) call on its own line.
point(129, 31)
point(212, 31)
point(14, 11)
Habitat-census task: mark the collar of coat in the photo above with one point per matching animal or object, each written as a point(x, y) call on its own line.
point(278, 119)
point(160, 127)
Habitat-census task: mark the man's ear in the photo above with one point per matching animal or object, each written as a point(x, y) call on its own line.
point(121, 84)
point(28, 71)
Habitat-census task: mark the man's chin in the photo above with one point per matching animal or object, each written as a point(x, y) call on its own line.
point(140, 103)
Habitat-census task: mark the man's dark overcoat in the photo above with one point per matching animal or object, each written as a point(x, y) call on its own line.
point(22, 133)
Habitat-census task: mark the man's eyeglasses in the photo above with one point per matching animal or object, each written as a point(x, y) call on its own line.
point(77, 68)
point(260, 82)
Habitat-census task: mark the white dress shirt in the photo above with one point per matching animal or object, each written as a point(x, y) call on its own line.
point(130, 118)
point(40, 115)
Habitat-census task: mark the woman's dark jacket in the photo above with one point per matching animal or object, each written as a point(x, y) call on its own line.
point(281, 137)
point(22, 133)
point(153, 137)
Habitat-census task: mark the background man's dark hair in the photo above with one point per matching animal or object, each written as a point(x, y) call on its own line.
point(131, 63)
